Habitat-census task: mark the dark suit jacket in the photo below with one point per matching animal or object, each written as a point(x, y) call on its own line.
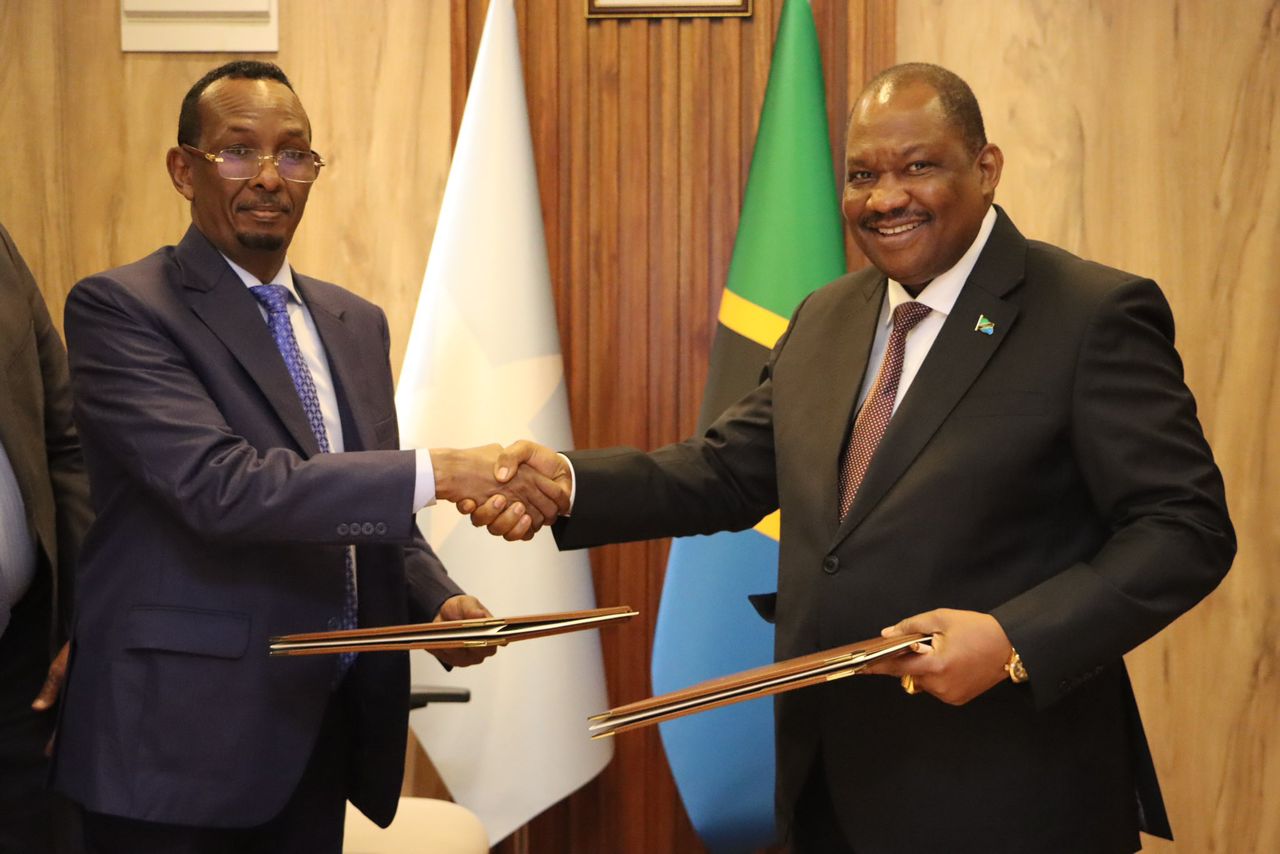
point(40, 440)
point(219, 525)
point(1052, 473)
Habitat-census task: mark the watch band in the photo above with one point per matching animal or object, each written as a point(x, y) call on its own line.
point(1016, 669)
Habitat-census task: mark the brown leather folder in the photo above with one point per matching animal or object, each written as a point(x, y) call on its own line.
point(454, 634)
point(759, 682)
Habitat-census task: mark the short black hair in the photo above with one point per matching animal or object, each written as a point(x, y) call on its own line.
point(958, 101)
point(241, 69)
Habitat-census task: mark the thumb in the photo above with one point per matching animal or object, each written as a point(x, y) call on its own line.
point(53, 682)
point(540, 457)
point(473, 609)
point(510, 458)
point(925, 624)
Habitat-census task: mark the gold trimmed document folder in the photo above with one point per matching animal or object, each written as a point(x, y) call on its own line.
point(454, 634)
point(774, 678)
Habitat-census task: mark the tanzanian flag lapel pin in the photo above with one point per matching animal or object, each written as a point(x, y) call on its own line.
point(985, 325)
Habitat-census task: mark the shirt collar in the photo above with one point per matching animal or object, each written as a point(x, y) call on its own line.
point(941, 293)
point(283, 277)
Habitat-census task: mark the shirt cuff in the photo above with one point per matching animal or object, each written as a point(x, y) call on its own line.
point(573, 483)
point(424, 483)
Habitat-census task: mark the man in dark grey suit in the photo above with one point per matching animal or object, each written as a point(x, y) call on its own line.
point(983, 438)
point(44, 513)
point(215, 389)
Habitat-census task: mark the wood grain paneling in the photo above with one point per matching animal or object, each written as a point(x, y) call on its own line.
point(84, 129)
point(643, 132)
point(1143, 135)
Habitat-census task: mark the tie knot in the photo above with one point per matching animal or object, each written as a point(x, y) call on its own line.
point(274, 297)
point(908, 314)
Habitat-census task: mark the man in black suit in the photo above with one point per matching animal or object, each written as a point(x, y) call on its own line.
point(240, 433)
point(1007, 458)
point(44, 513)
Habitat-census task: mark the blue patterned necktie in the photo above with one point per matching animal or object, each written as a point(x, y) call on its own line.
point(275, 298)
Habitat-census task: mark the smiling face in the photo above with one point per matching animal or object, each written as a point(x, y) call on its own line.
point(915, 194)
point(251, 221)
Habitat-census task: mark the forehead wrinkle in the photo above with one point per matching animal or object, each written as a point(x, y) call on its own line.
point(230, 103)
point(876, 129)
point(913, 149)
point(285, 131)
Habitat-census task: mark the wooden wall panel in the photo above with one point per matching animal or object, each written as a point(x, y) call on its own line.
point(85, 128)
point(643, 132)
point(1142, 133)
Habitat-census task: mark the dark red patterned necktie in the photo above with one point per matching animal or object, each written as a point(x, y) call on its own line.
point(877, 409)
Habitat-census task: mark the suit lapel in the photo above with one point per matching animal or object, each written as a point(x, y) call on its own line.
point(344, 353)
point(12, 437)
point(955, 360)
point(224, 304)
point(15, 334)
point(845, 346)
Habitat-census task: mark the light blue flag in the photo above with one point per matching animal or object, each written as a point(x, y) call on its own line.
point(790, 241)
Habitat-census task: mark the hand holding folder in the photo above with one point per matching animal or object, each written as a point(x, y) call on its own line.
point(450, 634)
point(759, 682)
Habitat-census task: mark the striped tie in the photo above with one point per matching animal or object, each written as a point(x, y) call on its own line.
point(275, 298)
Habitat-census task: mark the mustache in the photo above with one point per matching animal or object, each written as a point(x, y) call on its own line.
point(265, 203)
point(894, 217)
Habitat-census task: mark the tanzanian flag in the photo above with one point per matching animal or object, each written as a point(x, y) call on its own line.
point(790, 241)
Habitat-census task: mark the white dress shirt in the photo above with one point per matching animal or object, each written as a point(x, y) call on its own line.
point(940, 295)
point(304, 330)
point(17, 543)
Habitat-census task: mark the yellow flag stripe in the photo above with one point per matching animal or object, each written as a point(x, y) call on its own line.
point(750, 320)
point(771, 525)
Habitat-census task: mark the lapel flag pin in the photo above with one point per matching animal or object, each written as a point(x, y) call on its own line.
point(985, 325)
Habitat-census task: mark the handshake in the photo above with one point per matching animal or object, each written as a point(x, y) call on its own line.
point(512, 491)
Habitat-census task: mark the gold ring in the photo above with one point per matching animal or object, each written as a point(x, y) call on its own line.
point(909, 685)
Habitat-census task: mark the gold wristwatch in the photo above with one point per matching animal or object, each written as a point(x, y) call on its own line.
point(1015, 668)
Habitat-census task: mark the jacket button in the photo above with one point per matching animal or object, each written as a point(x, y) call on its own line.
point(367, 529)
point(831, 564)
point(342, 529)
point(380, 528)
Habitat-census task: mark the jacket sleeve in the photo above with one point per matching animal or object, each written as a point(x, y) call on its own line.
point(144, 409)
point(429, 583)
point(723, 480)
point(67, 478)
point(1151, 475)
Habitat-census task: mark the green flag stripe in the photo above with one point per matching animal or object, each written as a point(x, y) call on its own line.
point(790, 237)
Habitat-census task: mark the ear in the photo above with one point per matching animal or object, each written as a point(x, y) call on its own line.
point(179, 163)
point(990, 165)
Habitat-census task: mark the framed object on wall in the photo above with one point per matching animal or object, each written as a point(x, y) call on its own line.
point(668, 8)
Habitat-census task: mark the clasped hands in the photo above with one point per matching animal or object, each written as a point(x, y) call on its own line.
point(512, 491)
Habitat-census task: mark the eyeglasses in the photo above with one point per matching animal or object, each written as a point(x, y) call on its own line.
point(240, 163)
